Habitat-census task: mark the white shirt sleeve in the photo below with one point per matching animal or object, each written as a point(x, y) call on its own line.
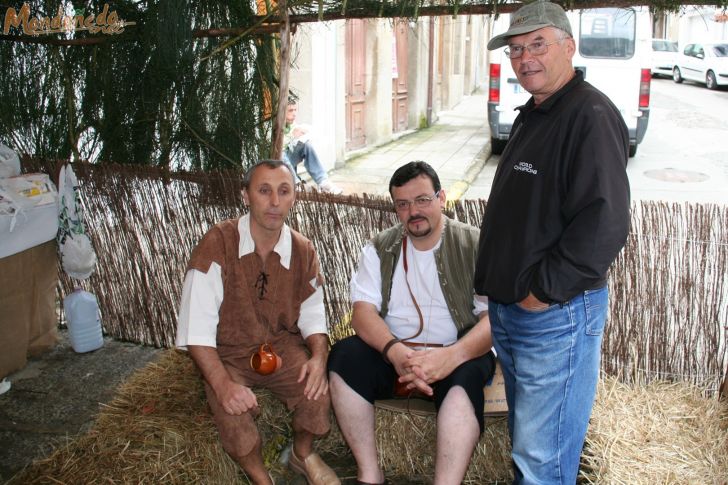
point(312, 318)
point(366, 283)
point(202, 296)
point(480, 304)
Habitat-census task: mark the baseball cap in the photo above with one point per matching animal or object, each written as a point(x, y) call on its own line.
point(533, 16)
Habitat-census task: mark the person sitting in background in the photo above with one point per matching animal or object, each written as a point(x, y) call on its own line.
point(297, 147)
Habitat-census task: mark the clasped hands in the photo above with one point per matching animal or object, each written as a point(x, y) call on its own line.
point(420, 368)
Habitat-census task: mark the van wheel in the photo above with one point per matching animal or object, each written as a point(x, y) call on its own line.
point(710, 81)
point(497, 146)
point(676, 76)
point(632, 150)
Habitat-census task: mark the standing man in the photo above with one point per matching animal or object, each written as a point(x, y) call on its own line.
point(416, 321)
point(297, 147)
point(254, 284)
point(557, 216)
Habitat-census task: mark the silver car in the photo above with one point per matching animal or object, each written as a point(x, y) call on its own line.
point(704, 63)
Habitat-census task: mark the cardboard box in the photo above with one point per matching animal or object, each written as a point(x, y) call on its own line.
point(28, 321)
point(495, 394)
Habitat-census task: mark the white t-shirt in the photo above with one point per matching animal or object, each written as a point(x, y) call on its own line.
point(402, 317)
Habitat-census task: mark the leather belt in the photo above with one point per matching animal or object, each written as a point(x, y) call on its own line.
point(419, 344)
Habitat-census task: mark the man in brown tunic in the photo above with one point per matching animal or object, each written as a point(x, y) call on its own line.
point(253, 281)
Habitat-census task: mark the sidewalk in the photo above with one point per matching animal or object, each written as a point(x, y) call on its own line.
point(457, 146)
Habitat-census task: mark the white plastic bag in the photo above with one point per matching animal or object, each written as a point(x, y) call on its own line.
point(78, 257)
point(9, 162)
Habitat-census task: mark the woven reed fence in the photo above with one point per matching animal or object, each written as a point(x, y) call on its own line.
point(669, 286)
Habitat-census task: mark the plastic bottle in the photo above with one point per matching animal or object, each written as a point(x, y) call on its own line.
point(84, 321)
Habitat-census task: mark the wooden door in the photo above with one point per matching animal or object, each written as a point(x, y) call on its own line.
point(399, 76)
point(355, 83)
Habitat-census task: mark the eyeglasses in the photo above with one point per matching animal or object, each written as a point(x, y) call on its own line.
point(537, 48)
point(421, 202)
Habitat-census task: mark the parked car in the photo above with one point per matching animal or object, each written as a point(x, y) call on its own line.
point(664, 57)
point(705, 63)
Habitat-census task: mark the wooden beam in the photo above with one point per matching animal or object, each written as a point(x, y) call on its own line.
point(271, 25)
point(28, 39)
point(284, 60)
point(393, 10)
point(264, 29)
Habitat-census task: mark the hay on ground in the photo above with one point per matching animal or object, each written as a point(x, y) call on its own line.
point(158, 430)
point(663, 432)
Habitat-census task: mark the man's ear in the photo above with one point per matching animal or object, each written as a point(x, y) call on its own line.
point(570, 47)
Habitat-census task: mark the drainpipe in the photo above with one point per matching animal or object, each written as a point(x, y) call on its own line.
point(430, 71)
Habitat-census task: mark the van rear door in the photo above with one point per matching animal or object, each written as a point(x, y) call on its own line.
point(612, 49)
point(504, 96)
point(611, 54)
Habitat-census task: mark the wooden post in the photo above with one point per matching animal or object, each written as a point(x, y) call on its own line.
point(276, 151)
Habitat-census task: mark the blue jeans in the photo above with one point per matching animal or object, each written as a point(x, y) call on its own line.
point(550, 361)
point(305, 152)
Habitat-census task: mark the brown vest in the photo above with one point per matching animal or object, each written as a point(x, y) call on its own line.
point(260, 303)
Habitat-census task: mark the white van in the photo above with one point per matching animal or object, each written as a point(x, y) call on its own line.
point(612, 49)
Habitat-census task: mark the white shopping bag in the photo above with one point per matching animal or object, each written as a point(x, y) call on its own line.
point(78, 257)
point(9, 162)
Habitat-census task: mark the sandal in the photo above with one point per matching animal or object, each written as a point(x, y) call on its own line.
point(314, 469)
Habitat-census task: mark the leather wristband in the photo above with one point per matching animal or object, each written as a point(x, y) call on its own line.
point(388, 346)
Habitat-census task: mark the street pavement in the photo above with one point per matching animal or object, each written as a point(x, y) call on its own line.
point(457, 146)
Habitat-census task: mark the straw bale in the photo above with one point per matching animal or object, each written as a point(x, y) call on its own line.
point(663, 432)
point(158, 429)
point(406, 445)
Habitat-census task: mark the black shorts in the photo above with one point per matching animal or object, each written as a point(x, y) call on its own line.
point(366, 372)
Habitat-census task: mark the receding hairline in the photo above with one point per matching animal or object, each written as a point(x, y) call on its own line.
point(269, 164)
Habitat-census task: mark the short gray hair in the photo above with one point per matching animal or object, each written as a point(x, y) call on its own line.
point(272, 164)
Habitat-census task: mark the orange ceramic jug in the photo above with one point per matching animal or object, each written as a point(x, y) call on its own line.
point(265, 361)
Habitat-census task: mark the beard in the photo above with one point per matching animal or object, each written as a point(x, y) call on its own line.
point(418, 226)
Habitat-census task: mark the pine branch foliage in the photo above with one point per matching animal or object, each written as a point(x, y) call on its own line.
point(167, 91)
point(153, 95)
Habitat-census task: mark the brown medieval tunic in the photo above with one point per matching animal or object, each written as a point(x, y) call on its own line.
point(261, 304)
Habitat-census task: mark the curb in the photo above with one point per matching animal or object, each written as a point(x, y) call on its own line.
point(459, 188)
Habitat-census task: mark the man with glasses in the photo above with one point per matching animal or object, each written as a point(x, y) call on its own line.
point(417, 323)
point(557, 216)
